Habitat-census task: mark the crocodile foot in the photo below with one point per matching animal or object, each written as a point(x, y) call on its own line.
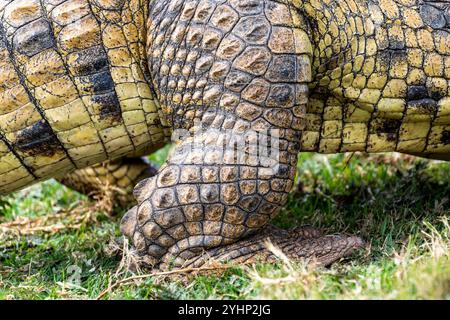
point(301, 244)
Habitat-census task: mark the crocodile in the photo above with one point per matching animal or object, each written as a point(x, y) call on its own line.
point(88, 88)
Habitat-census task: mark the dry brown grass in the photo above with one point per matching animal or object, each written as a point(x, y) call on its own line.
point(72, 218)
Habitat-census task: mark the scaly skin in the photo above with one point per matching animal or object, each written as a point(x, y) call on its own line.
point(115, 179)
point(74, 88)
point(323, 75)
point(381, 77)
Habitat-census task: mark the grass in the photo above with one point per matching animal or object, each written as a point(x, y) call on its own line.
point(399, 204)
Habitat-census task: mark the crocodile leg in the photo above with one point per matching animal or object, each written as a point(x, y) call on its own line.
point(201, 200)
point(235, 95)
point(118, 176)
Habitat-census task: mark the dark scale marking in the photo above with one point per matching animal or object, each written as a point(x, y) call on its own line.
point(282, 69)
point(387, 126)
point(391, 137)
point(283, 171)
point(445, 138)
point(384, 59)
point(436, 94)
point(93, 63)
point(396, 44)
point(3, 46)
point(97, 82)
point(397, 55)
point(417, 93)
point(90, 61)
point(14, 152)
point(31, 97)
point(425, 105)
point(33, 38)
point(38, 140)
point(432, 16)
point(281, 95)
point(109, 106)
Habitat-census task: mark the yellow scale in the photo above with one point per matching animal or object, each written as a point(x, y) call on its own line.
point(64, 101)
point(366, 94)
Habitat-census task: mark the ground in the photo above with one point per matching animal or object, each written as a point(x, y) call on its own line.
point(54, 242)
